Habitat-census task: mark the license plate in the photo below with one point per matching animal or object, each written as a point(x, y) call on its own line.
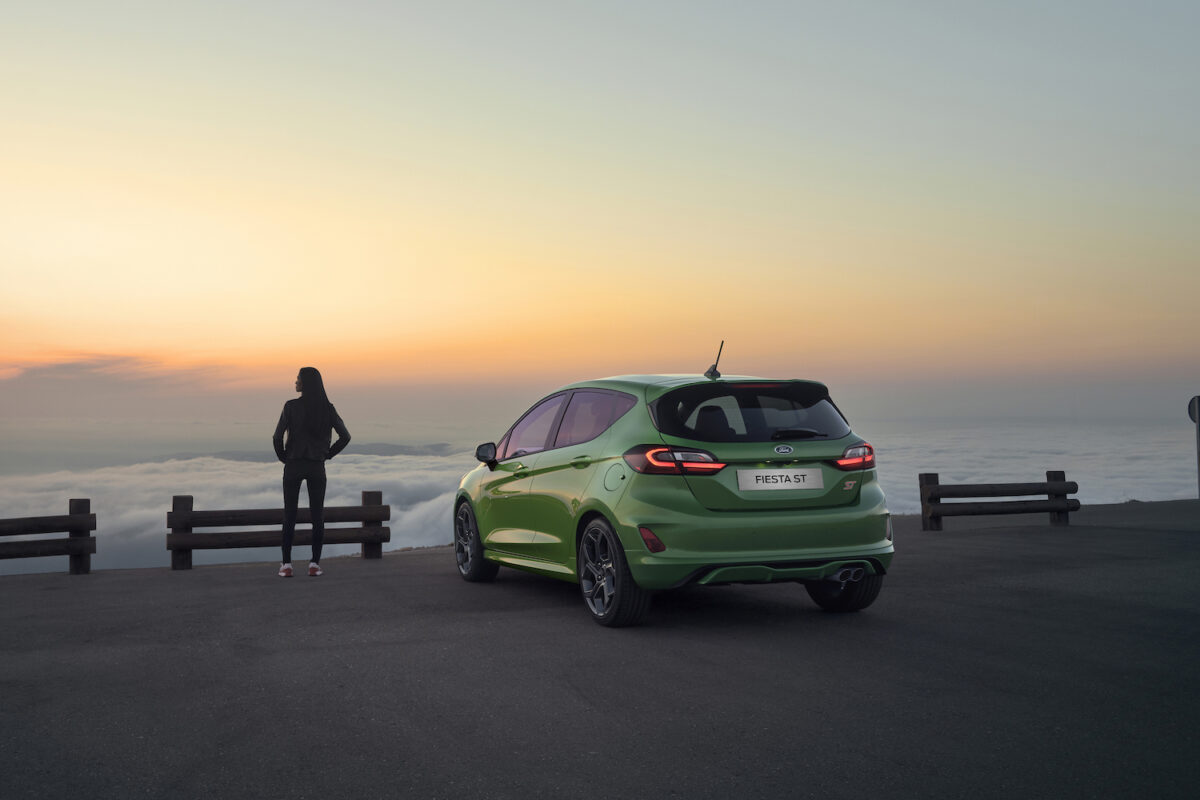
point(754, 480)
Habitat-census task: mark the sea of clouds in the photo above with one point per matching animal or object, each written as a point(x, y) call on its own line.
point(1112, 463)
point(131, 502)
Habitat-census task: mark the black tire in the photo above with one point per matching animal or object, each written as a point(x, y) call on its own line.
point(468, 549)
point(852, 596)
point(609, 591)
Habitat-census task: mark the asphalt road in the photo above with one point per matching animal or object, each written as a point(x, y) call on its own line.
point(1004, 658)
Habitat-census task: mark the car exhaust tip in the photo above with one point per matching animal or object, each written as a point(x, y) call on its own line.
point(848, 575)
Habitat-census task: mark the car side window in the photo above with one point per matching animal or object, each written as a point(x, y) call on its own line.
point(590, 414)
point(530, 434)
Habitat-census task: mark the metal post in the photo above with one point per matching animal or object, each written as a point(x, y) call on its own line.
point(1194, 413)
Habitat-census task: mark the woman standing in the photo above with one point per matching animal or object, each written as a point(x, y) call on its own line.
point(307, 421)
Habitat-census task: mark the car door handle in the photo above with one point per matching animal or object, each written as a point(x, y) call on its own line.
point(520, 471)
point(579, 462)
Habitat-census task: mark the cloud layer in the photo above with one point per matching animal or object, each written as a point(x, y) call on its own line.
point(1111, 462)
point(131, 502)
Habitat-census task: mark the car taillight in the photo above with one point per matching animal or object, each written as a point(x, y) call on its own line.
point(651, 459)
point(856, 457)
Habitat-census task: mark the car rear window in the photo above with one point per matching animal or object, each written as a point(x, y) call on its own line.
point(750, 412)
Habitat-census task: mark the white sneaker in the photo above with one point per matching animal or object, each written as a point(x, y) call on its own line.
point(285, 570)
point(314, 570)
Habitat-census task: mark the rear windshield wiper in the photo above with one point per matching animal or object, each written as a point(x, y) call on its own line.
point(798, 433)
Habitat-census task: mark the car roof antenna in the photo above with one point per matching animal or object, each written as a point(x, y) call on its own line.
point(712, 373)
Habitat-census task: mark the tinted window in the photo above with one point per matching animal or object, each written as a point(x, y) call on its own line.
point(724, 412)
point(530, 434)
point(590, 414)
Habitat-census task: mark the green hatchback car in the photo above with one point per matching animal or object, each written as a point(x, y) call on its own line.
point(640, 483)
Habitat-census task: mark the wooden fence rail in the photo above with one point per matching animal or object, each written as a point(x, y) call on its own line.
point(183, 519)
point(77, 524)
point(1056, 488)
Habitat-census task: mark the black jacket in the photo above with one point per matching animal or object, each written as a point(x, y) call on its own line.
point(302, 445)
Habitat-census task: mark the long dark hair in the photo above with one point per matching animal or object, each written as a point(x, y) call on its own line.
point(318, 411)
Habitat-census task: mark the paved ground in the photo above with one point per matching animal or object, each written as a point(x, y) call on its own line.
point(1004, 658)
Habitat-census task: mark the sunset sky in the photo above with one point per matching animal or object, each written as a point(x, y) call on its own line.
point(547, 191)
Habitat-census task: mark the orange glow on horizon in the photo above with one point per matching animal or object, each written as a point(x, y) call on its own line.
point(233, 196)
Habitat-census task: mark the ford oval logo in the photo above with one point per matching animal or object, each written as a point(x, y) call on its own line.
point(783, 449)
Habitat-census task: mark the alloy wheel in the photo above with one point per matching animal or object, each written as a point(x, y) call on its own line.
point(464, 534)
point(598, 575)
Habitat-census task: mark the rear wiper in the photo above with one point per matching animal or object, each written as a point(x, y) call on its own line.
point(798, 433)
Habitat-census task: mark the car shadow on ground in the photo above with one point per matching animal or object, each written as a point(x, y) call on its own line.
point(742, 606)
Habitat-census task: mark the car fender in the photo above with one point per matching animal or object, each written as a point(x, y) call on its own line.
point(596, 507)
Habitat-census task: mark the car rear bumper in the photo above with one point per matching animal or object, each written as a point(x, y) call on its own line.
point(757, 547)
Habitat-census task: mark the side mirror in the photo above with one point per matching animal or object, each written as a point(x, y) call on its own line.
point(487, 454)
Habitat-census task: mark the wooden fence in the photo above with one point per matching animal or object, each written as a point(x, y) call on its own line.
point(77, 524)
point(1056, 488)
point(183, 520)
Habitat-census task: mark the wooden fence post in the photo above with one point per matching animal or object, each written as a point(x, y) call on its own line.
point(181, 559)
point(372, 549)
point(1057, 517)
point(929, 520)
point(81, 563)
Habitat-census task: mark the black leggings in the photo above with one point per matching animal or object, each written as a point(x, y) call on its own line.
point(293, 473)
